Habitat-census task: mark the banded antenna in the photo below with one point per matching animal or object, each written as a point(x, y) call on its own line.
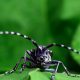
point(63, 46)
point(19, 34)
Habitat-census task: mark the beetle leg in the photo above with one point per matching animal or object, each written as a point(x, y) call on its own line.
point(57, 63)
point(29, 53)
point(49, 70)
point(15, 67)
point(54, 71)
point(24, 65)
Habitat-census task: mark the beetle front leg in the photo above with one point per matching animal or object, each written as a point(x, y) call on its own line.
point(29, 53)
point(24, 65)
point(66, 70)
point(57, 63)
point(54, 71)
point(15, 67)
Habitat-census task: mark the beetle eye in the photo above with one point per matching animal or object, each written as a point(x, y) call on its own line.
point(47, 53)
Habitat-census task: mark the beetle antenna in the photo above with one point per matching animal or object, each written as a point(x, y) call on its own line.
point(19, 34)
point(63, 46)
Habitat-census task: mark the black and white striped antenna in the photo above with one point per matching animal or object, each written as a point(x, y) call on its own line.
point(19, 34)
point(63, 46)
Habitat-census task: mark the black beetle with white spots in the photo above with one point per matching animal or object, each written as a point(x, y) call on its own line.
point(40, 57)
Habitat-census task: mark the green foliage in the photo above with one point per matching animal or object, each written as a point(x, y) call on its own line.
point(46, 21)
point(35, 74)
point(75, 43)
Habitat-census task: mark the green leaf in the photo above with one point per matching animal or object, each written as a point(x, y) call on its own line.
point(46, 21)
point(76, 44)
point(70, 9)
point(35, 74)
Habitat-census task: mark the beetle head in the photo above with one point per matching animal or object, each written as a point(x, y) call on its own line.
point(43, 55)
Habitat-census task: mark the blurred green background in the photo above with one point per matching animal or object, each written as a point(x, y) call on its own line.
point(46, 21)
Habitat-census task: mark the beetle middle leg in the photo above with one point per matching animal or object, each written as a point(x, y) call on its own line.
point(24, 65)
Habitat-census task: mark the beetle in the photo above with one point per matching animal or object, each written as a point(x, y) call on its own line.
point(40, 57)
